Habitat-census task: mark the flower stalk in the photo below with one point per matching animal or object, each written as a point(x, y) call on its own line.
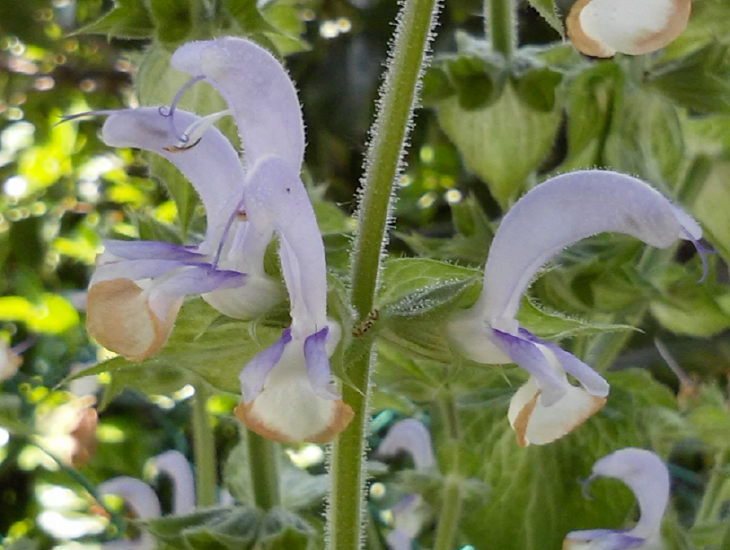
point(204, 450)
point(384, 158)
point(500, 20)
point(264, 470)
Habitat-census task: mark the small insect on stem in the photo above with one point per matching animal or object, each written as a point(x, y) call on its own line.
point(367, 323)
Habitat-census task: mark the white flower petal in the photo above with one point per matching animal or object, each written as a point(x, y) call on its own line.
point(604, 27)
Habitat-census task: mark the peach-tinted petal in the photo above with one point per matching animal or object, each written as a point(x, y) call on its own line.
point(602, 28)
point(119, 317)
point(536, 424)
point(289, 425)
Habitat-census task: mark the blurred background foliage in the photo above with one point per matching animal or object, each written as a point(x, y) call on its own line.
point(489, 129)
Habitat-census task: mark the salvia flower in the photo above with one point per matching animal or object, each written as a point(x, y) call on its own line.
point(411, 512)
point(143, 502)
point(138, 287)
point(286, 388)
point(602, 28)
point(647, 476)
point(552, 216)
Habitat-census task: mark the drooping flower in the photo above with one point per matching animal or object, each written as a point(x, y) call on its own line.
point(554, 215)
point(648, 478)
point(286, 388)
point(411, 512)
point(287, 394)
point(602, 28)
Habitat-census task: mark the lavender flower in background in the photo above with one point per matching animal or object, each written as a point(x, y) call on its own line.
point(411, 512)
point(143, 502)
point(554, 215)
point(647, 476)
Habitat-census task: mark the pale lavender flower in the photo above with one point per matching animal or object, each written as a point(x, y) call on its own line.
point(138, 287)
point(648, 478)
point(143, 502)
point(552, 216)
point(411, 512)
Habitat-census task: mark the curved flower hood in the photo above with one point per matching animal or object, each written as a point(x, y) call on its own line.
point(648, 478)
point(551, 217)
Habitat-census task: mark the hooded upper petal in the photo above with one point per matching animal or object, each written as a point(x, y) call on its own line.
point(212, 166)
point(258, 92)
point(176, 466)
point(276, 197)
point(562, 211)
point(412, 437)
point(602, 28)
point(142, 501)
point(648, 478)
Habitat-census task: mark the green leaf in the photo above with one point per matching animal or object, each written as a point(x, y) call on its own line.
point(478, 80)
point(232, 528)
point(174, 20)
point(471, 243)
point(128, 19)
point(537, 88)
point(699, 81)
point(404, 277)
point(503, 143)
point(646, 138)
point(555, 326)
point(686, 307)
point(547, 9)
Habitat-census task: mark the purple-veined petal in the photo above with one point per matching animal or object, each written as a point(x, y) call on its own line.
point(212, 166)
point(562, 211)
point(604, 27)
point(258, 91)
point(593, 382)
point(318, 364)
point(601, 539)
point(176, 466)
point(134, 270)
point(276, 196)
point(531, 358)
point(198, 279)
point(152, 250)
point(412, 437)
point(189, 280)
point(288, 409)
point(253, 376)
